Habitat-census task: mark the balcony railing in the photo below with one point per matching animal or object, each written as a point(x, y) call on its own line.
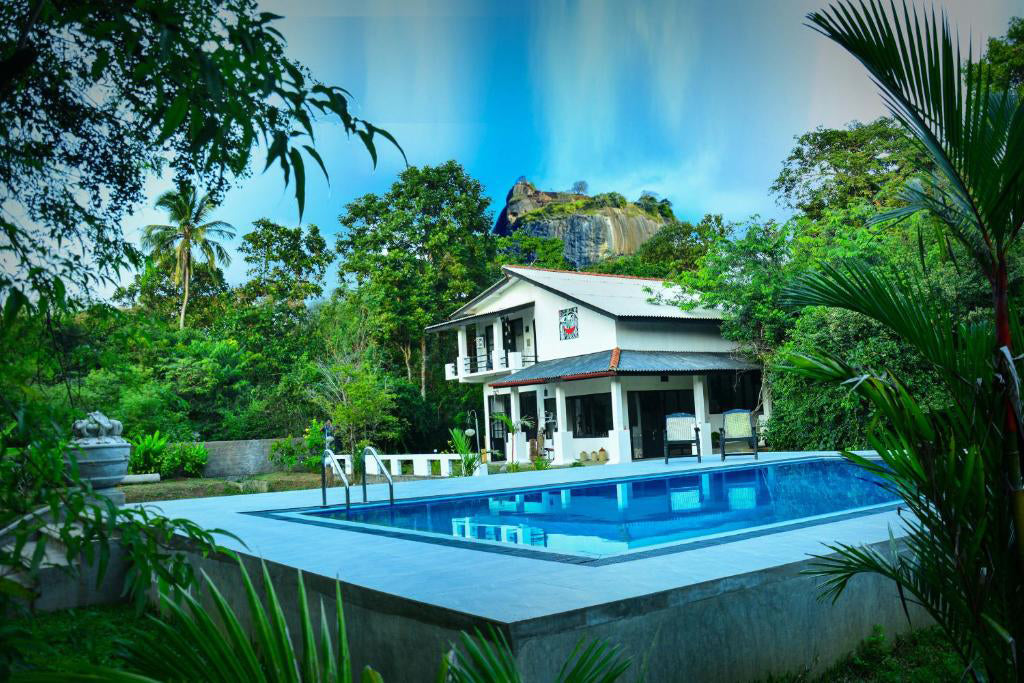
point(467, 366)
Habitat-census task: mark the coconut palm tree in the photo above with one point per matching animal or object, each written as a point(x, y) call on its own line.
point(958, 469)
point(188, 238)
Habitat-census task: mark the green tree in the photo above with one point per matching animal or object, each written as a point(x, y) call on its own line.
point(526, 249)
point(360, 402)
point(957, 468)
point(417, 253)
point(188, 238)
point(1004, 58)
point(836, 169)
point(743, 273)
point(286, 264)
point(96, 100)
point(153, 291)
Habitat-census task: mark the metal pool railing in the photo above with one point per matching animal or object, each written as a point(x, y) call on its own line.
point(331, 459)
point(370, 450)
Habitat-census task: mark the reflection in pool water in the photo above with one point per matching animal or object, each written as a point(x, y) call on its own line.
point(609, 518)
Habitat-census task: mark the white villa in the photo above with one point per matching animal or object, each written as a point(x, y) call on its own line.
point(600, 359)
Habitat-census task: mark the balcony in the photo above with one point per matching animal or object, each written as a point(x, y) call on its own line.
point(486, 364)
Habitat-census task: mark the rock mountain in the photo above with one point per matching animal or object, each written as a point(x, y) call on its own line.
point(592, 228)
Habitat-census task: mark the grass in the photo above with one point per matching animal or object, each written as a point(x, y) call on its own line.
point(62, 641)
point(920, 657)
point(174, 489)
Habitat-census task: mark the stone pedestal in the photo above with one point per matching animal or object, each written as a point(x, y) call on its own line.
point(100, 454)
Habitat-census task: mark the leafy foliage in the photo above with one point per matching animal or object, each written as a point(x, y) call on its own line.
point(836, 169)
point(184, 460)
point(286, 264)
point(147, 453)
point(1004, 58)
point(957, 467)
point(489, 660)
point(526, 249)
point(417, 253)
point(469, 460)
point(98, 100)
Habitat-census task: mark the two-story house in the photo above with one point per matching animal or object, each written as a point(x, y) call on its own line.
point(594, 362)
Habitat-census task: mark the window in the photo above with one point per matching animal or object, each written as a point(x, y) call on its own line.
point(590, 416)
point(730, 391)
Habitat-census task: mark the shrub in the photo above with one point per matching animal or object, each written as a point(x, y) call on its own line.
point(184, 460)
point(513, 467)
point(540, 463)
point(147, 452)
point(288, 452)
point(300, 454)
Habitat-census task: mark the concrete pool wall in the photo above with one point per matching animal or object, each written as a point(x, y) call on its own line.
point(735, 611)
point(741, 628)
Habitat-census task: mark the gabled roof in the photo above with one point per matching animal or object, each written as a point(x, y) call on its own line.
point(618, 296)
point(621, 296)
point(625, 362)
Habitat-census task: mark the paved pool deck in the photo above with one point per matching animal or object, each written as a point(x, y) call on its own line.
point(452, 578)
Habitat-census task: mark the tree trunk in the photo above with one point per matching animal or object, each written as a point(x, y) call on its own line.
point(423, 366)
point(186, 275)
point(1012, 435)
point(407, 356)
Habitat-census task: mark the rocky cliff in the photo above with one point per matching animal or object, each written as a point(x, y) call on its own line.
point(592, 228)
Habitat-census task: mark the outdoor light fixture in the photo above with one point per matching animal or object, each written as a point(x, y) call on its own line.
point(474, 430)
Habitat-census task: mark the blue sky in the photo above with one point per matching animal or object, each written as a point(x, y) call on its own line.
point(697, 101)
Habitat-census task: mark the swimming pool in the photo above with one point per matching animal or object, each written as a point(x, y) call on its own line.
point(621, 519)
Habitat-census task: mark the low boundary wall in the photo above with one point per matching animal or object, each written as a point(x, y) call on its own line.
point(741, 628)
point(252, 456)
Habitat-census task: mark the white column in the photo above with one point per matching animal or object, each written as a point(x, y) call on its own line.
point(499, 345)
point(561, 418)
point(563, 439)
point(487, 421)
point(766, 399)
point(701, 406)
point(540, 419)
point(620, 450)
point(462, 337)
point(515, 454)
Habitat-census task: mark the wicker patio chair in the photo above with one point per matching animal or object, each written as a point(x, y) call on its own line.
point(738, 426)
point(681, 430)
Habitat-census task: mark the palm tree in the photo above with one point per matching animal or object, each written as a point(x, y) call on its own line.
point(188, 238)
point(958, 469)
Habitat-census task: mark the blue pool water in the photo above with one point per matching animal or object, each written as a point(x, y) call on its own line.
point(603, 519)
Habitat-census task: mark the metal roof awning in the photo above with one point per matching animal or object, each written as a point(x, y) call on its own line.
point(466, 320)
point(625, 362)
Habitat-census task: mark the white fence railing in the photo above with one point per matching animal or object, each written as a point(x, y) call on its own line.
point(418, 464)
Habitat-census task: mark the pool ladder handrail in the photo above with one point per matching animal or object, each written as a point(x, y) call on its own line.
point(339, 470)
point(380, 467)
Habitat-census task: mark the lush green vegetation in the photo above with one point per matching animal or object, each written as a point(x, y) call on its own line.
point(923, 656)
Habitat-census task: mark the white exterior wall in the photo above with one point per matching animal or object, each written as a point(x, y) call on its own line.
point(596, 333)
point(671, 336)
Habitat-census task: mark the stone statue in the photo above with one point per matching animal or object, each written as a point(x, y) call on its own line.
point(100, 454)
point(98, 428)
